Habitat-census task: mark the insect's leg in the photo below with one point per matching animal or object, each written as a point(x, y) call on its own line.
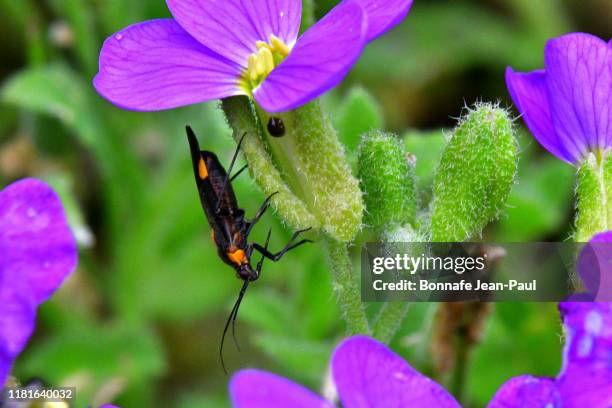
point(290, 245)
point(239, 172)
point(261, 261)
point(231, 318)
point(229, 171)
point(258, 269)
point(262, 209)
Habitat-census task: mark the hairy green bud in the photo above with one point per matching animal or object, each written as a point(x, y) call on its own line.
point(387, 180)
point(475, 174)
point(593, 193)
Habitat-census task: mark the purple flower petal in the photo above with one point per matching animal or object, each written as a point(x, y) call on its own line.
point(595, 267)
point(383, 15)
point(528, 91)
point(17, 318)
point(260, 389)
point(156, 65)
point(368, 374)
point(322, 57)
point(38, 248)
point(527, 392)
point(38, 253)
point(586, 377)
point(603, 237)
point(232, 27)
point(579, 79)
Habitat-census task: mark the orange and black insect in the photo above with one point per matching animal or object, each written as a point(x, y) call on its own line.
point(230, 227)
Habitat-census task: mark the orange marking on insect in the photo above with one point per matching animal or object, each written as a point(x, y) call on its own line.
point(202, 170)
point(212, 235)
point(238, 257)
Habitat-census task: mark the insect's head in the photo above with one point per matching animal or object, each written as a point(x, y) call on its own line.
point(241, 262)
point(247, 272)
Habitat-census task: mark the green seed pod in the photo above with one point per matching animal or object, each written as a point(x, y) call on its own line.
point(593, 192)
point(475, 174)
point(387, 180)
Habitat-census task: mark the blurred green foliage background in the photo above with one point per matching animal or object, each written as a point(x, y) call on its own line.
point(139, 322)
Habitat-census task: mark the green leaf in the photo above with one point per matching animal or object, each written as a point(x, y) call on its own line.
point(202, 400)
point(318, 312)
point(308, 359)
point(59, 92)
point(271, 313)
point(63, 184)
point(427, 149)
point(162, 256)
point(95, 356)
point(16, 11)
point(436, 41)
point(78, 14)
point(54, 91)
point(359, 113)
point(527, 335)
point(539, 203)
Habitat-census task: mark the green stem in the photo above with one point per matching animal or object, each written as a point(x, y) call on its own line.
point(531, 12)
point(308, 14)
point(347, 288)
point(460, 371)
point(392, 314)
point(389, 320)
point(594, 200)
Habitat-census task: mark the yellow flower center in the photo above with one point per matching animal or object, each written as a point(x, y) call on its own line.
point(268, 56)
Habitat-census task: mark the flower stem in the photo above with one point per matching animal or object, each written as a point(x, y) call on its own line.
point(389, 320)
point(594, 197)
point(308, 13)
point(392, 314)
point(346, 287)
point(457, 385)
point(458, 328)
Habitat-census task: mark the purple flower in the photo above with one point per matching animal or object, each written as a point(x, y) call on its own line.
point(37, 252)
point(586, 376)
point(568, 105)
point(367, 374)
point(215, 49)
point(595, 268)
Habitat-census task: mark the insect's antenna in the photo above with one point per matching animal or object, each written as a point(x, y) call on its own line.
point(258, 269)
point(232, 318)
